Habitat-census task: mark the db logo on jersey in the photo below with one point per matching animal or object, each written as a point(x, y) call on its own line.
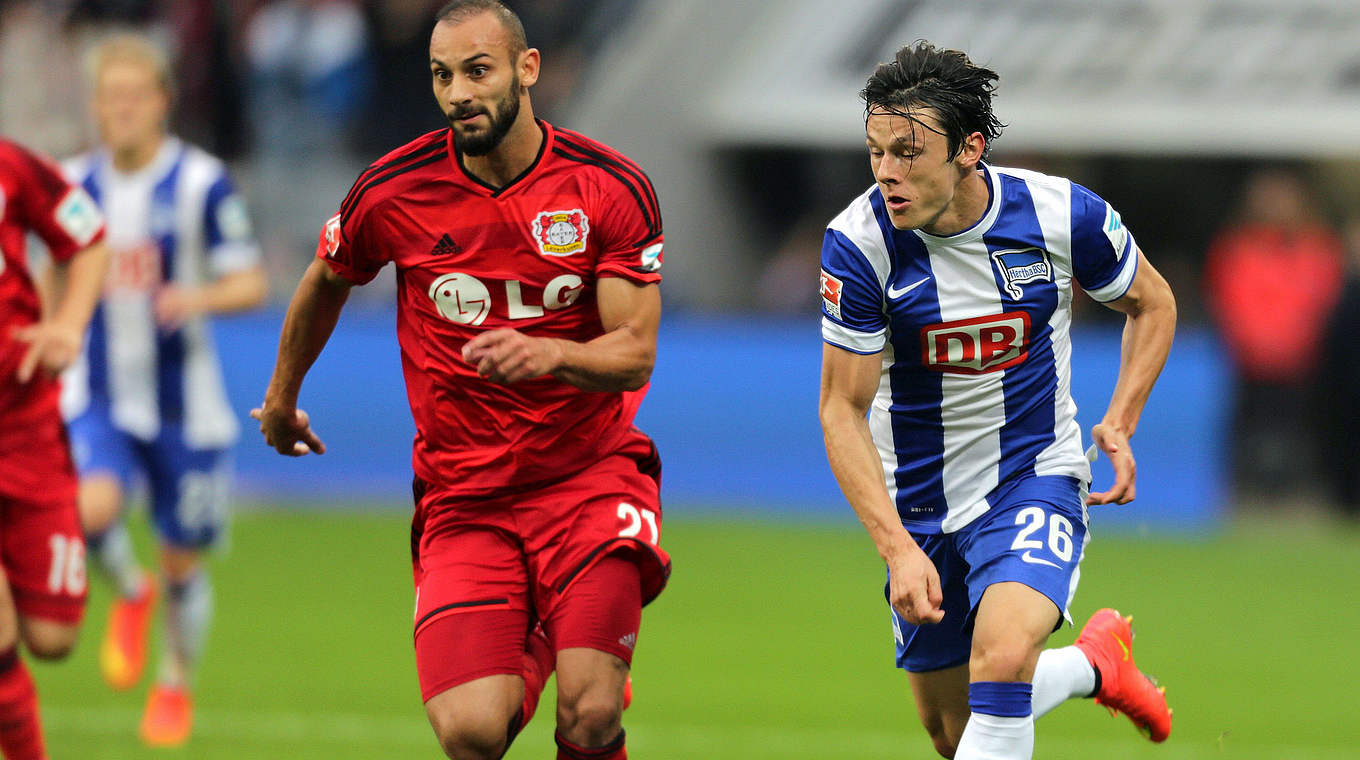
point(561, 233)
point(831, 294)
point(976, 346)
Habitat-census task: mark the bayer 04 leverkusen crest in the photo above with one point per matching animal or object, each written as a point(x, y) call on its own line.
point(561, 233)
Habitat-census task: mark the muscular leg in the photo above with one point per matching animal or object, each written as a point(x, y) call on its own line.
point(20, 726)
point(99, 502)
point(942, 702)
point(589, 696)
point(470, 720)
point(188, 612)
point(1013, 622)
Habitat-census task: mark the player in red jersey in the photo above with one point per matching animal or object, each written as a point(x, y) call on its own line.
point(42, 590)
point(527, 258)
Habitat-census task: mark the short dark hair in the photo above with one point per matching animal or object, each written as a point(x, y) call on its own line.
point(460, 10)
point(945, 81)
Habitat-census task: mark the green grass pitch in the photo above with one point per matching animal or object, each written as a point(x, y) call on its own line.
point(771, 642)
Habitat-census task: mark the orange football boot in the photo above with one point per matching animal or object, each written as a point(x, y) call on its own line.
point(122, 654)
point(628, 692)
point(169, 716)
point(1107, 641)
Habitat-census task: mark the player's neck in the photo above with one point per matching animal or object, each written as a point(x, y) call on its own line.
point(136, 157)
point(966, 209)
point(516, 153)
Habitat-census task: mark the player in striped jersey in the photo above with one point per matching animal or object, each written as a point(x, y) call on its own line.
point(147, 397)
point(947, 294)
point(527, 259)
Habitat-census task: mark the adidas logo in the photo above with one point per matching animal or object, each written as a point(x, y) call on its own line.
point(629, 641)
point(445, 246)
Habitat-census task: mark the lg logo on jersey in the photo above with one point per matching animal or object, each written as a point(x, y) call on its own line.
point(976, 346)
point(466, 300)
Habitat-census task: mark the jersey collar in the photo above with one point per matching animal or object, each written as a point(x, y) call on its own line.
point(492, 191)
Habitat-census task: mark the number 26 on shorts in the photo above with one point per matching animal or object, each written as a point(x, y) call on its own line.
point(1059, 534)
point(634, 519)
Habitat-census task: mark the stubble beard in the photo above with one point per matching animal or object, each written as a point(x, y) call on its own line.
point(506, 112)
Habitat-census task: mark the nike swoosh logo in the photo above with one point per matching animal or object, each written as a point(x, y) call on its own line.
point(1033, 560)
point(896, 294)
point(1122, 646)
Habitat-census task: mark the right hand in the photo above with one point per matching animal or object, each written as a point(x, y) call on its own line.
point(914, 587)
point(288, 430)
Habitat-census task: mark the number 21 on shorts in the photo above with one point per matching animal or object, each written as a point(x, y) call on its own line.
point(1059, 535)
point(634, 519)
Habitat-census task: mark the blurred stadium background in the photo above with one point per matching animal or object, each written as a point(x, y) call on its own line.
point(1206, 123)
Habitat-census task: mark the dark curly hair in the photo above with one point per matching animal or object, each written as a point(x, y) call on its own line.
point(923, 76)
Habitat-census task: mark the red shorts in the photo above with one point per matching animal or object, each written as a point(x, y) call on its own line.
point(522, 552)
point(42, 548)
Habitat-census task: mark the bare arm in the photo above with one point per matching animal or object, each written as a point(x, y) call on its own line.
point(71, 295)
point(1151, 310)
point(232, 292)
point(311, 318)
point(849, 381)
point(619, 360)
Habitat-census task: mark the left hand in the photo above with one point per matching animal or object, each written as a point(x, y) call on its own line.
point(1115, 444)
point(508, 356)
point(175, 305)
point(50, 345)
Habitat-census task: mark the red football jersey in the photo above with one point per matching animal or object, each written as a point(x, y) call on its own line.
point(34, 197)
point(472, 258)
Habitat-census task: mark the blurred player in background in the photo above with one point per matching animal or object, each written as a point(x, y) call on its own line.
point(147, 398)
point(528, 259)
point(947, 294)
point(42, 591)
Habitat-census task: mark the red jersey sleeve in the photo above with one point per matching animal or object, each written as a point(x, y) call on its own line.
point(348, 245)
point(630, 226)
point(63, 215)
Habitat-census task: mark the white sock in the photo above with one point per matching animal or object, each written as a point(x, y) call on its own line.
point(188, 611)
point(992, 737)
point(1061, 675)
point(115, 559)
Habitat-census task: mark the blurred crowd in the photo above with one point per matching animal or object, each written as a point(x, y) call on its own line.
point(299, 95)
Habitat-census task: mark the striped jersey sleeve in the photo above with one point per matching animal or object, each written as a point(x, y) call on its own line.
point(230, 242)
point(854, 268)
point(1104, 255)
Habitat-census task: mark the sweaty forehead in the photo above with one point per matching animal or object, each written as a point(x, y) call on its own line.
point(452, 42)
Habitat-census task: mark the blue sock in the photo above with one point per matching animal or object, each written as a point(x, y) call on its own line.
point(1001, 726)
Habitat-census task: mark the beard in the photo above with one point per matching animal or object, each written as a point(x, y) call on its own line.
point(482, 143)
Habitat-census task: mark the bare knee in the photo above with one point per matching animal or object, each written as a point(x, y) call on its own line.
point(1004, 660)
point(98, 501)
point(471, 720)
point(47, 640)
point(477, 736)
point(591, 719)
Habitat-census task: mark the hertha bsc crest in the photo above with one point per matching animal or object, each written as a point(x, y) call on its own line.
point(561, 233)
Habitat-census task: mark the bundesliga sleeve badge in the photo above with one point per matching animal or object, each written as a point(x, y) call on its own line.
point(561, 233)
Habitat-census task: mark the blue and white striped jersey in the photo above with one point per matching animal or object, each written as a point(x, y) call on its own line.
point(973, 331)
point(177, 220)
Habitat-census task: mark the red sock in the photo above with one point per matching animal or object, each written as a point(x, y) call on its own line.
point(611, 751)
point(20, 728)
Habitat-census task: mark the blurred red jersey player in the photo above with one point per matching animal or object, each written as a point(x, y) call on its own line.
point(528, 258)
point(42, 591)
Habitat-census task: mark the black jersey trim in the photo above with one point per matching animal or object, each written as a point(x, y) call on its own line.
point(634, 172)
point(652, 228)
point(439, 156)
point(460, 605)
point(496, 192)
point(373, 171)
